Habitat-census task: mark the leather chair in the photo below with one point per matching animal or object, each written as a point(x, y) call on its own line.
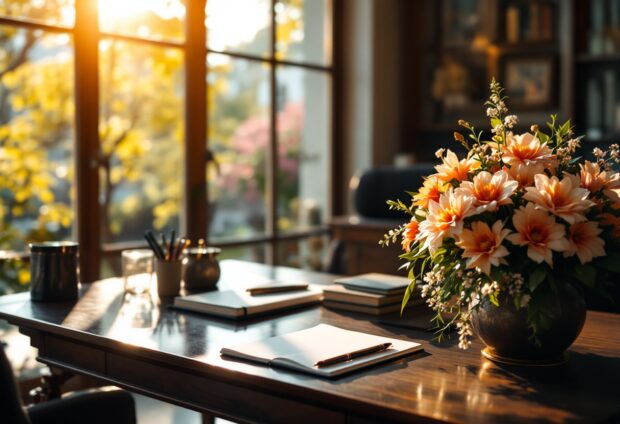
point(370, 191)
point(378, 185)
point(97, 406)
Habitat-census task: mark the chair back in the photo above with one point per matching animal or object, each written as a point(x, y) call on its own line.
point(10, 402)
point(378, 185)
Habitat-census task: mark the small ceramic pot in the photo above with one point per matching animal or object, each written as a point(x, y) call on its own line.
point(201, 269)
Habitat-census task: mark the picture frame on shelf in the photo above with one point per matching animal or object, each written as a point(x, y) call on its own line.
point(467, 23)
point(530, 81)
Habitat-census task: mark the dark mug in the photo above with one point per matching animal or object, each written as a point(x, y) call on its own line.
point(53, 271)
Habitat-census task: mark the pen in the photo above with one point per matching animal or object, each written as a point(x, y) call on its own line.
point(351, 355)
point(276, 289)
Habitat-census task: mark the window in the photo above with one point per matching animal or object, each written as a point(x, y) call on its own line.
point(175, 114)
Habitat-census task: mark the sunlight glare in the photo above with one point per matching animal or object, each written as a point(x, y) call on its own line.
point(235, 22)
point(111, 11)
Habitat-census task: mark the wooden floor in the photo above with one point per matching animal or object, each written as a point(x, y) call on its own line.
point(151, 411)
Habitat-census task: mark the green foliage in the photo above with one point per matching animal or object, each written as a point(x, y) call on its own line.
point(537, 277)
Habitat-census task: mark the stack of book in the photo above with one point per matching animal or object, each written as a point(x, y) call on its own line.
point(374, 294)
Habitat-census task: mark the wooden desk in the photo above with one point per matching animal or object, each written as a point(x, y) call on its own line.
point(362, 253)
point(174, 356)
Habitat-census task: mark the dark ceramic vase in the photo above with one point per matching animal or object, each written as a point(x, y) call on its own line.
point(505, 332)
point(201, 270)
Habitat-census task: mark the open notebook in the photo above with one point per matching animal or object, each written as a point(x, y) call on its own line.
point(239, 303)
point(301, 350)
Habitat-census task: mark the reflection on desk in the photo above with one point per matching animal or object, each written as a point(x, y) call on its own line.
point(174, 356)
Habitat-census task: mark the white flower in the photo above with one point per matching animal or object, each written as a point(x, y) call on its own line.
point(491, 112)
point(511, 121)
point(525, 300)
point(499, 128)
point(439, 153)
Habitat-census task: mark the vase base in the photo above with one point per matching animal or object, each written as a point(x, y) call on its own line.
point(550, 362)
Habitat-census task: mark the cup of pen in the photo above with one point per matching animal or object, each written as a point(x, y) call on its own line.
point(168, 275)
point(168, 264)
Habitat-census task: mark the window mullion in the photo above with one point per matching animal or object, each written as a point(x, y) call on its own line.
point(272, 172)
point(195, 199)
point(88, 212)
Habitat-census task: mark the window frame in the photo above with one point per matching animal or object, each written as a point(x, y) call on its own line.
point(88, 213)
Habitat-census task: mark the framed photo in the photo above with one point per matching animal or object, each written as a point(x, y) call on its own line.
point(529, 81)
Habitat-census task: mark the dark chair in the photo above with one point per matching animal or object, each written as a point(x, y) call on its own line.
point(369, 194)
point(97, 406)
point(378, 185)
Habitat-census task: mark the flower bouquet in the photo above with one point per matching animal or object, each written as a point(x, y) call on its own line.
point(513, 226)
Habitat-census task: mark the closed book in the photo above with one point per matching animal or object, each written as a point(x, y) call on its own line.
point(372, 310)
point(512, 24)
point(240, 304)
point(303, 350)
point(384, 284)
point(363, 309)
point(340, 293)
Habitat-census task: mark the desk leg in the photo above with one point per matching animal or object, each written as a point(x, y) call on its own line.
point(208, 418)
point(50, 387)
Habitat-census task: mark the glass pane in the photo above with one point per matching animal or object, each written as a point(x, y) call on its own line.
point(252, 253)
point(239, 136)
point(303, 147)
point(159, 19)
point(307, 253)
point(304, 30)
point(141, 131)
point(58, 12)
point(36, 142)
point(242, 26)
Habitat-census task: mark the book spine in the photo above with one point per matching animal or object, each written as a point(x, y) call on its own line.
point(610, 91)
point(512, 24)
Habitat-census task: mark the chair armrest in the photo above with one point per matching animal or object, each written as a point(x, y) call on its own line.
point(96, 406)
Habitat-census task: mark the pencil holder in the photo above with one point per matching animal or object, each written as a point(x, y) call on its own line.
point(168, 277)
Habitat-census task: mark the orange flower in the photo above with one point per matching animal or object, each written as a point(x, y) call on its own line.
point(490, 190)
point(524, 174)
point(561, 198)
point(539, 231)
point(453, 169)
point(411, 232)
point(584, 242)
point(445, 218)
point(609, 220)
point(525, 149)
point(613, 194)
point(594, 179)
point(430, 190)
point(483, 245)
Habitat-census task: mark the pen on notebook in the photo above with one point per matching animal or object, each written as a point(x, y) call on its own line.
point(352, 355)
point(276, 289)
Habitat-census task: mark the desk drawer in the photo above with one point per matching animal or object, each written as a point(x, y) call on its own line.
point(222, 399)
point(74, 355)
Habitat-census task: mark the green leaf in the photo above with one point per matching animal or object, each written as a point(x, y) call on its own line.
point(408, 293)
point(586, 274)
point(611, 262)
point(537, 277)
point(564, 129)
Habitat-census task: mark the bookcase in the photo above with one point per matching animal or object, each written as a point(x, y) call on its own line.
point(597, 61)
point(552, 56)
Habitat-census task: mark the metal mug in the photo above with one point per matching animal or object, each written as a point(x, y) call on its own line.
point(53, 271)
